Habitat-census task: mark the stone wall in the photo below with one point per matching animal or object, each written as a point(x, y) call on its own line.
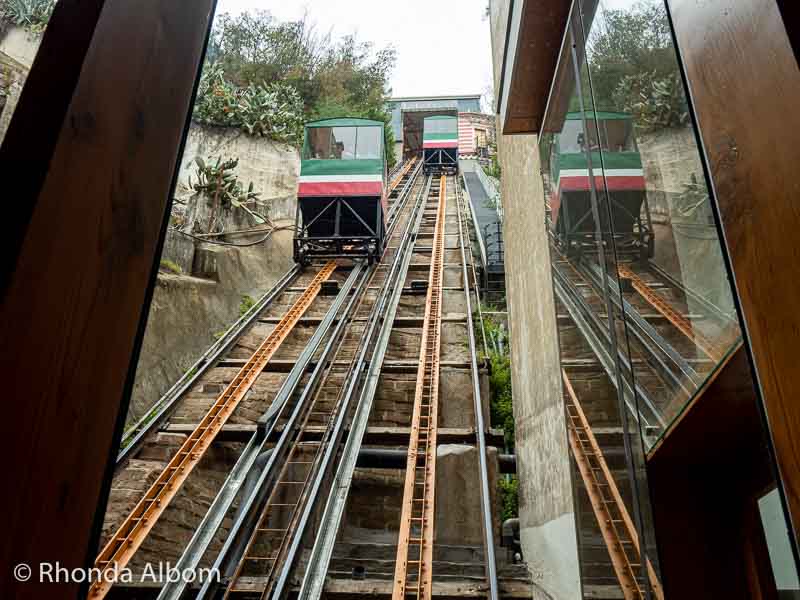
point(17, 51)
point(187, 311)
point(272, 167)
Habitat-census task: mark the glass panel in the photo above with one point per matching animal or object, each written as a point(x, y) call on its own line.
point(779, 546)
point(679, 314)
point(22, 25)
point(343, 144)
point(370, 140)
point(318, 143)
point(594, 353)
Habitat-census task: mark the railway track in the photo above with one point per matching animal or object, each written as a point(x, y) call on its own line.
point(656, 342)
point(295, 438)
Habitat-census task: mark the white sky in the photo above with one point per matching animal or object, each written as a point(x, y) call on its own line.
point(442, 46)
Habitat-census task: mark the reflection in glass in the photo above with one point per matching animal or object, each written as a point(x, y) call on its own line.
point(657, 191)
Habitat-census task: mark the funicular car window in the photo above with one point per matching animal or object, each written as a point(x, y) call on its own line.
point(368, 145)
point(343, 143)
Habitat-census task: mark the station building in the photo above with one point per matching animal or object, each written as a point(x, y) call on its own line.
point(476, 130)
point(648, 192)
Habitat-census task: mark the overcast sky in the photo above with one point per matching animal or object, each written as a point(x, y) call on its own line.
point(442, 45)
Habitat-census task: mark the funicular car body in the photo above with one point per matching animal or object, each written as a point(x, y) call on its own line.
point(341, 199)
point(619, 184)
point(440, 144)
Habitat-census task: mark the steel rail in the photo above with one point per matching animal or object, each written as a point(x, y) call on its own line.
point(598, 479)
point(162, 409)
point(480, 426)
point(579, 311)
point(642, 330)
point(215, 515)
point(124, 543)
point(322, 551)
point(415, 542)
point(709, 348)
point(209, 588)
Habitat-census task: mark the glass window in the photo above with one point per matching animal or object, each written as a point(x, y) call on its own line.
point(318, 143)
point(369, 144)
point(343, 143)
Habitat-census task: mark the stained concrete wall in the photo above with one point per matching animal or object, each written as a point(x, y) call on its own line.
point(547, 516)
point(17, 51)
point(187, 311)
point(272, 167)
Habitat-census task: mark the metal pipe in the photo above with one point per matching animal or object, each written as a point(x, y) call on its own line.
point(480, 427)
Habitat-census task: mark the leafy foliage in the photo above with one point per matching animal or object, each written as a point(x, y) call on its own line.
point(220, 181)
point(509, 498)
point(32, 15)
point(633, 67)
point(274, 110)
point(338, 78)
point(657, 103)
point(493, 168)
point(501, 404)
point(246, 304)
point(171, 266)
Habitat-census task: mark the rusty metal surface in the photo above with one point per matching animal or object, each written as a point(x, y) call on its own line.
point(122, 546)
point(616, 525)
point(413, 569)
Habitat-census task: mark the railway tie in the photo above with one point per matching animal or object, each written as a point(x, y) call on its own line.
point(413, 569)
point(124, 543)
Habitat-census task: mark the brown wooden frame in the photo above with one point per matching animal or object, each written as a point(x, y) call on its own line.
point(89, 164)
point(749, 137)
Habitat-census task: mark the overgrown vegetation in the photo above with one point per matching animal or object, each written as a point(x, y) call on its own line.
point(286, 71)
point(246, 304)
point(493, 168)
point(509, 498)
point(171, 266)
point(632, 65)
point(31, 15)
point(219, 183)
point(273, 110)
point(501, 398)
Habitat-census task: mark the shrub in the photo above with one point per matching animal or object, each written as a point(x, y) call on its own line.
point(171, 266)
point(656, 102)
point(246, 304)
point(509, 498)
point(274, 110)
point(32, 15)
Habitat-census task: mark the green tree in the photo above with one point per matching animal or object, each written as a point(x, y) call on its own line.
point(345, 77)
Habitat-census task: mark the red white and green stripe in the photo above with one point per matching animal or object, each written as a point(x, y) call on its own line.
point(577, 180)
point(340, 178)
point(440, 132)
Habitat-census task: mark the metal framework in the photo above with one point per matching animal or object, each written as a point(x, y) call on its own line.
point(369, 244)
point(385, 310)
point(131, 534)
point(616, 525)
point(438, 161)
point(683, 324)
point(414, 566)
point(480, 427)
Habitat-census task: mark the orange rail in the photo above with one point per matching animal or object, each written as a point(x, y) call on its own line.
point(682, 323)
point(129, 537)
point(402, 173)
point(612, 515)
point(414, 566)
